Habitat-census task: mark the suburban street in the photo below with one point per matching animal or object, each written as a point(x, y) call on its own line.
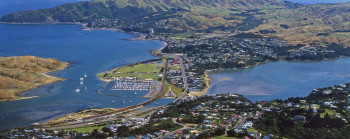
point(243, 120)
point(173, 132)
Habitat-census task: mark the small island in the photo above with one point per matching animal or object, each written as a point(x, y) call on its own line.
point(22, 73)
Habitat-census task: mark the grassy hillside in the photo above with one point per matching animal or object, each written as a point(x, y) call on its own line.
point(309, 24)
point(85, 11)
point(296, 23)
point(18, 74)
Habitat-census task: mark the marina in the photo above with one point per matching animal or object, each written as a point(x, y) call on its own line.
point(60, 42)
point(131, 86)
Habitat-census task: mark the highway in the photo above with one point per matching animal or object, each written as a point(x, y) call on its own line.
point(109, 118)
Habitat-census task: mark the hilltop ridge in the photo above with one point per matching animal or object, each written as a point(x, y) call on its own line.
point(89, 10)
point(320, 24)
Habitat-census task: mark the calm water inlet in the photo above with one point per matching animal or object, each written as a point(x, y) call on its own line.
point(90, 52)
point(281, 80)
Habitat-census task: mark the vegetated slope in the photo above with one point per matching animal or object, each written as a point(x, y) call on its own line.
point(18, 74)
point(309, 24)
point(322, 23)
point(84, 11)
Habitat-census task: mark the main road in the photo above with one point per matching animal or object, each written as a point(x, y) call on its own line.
point(184, 77)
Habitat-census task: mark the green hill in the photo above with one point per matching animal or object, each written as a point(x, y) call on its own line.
point(321, 24)
point(18, 74)
point(84, 11)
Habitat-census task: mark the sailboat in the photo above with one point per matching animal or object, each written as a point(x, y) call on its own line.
point(85, 87)
point(85, 75)
point(81, 82)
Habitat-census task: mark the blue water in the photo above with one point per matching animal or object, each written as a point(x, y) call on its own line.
point(89, 52)
point(281, 80)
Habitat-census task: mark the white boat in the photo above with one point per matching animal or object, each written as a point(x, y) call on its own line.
point(81, 79)
point(113, 101)
point(77, 90)
point(123, 101)
point(135, 93)
point(85, 75)
point(85, 87)
point(81, 82)
point(130, 101)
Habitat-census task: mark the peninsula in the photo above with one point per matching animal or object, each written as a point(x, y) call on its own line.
point(22, 73)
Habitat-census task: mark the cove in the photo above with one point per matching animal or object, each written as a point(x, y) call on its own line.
point(281, 80)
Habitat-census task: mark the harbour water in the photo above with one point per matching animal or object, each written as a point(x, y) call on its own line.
point(89, 52)
point(281, 80)
point(92, 52)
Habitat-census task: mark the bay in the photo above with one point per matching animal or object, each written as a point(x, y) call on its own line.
point(89, 52)
point(281, 80)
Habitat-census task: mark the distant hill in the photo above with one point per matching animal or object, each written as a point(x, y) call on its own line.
point(18, 74)
point(321, 24)
point(84, 11)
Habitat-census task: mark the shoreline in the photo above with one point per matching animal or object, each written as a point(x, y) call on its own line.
point(208, 82)
point(56, 79)
point(41, 23)
point(20, 98)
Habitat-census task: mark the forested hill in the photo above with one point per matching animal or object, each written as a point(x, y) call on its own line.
point(322, 24)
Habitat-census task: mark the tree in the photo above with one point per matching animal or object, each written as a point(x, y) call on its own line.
point(200, 119)
point(111, 134)
point(94, 133)
point(186, 131)
point(231, 133)
point(219, 131)
point(106, 129)
point(203, 135)
point(122, 130)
